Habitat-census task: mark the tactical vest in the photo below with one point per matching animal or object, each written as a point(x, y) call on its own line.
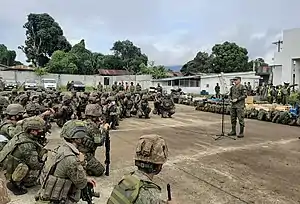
point(279, 93)
point(128, 189)
point(53, 188)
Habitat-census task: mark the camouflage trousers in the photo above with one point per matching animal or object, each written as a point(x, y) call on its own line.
point(94, 167)
point(144, 112)
point(237, 113)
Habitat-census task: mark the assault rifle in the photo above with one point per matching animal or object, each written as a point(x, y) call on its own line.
point(88, 193)
point(107, 153)
point(169, 192)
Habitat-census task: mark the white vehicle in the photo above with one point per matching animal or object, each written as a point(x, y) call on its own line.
point(49, 84)
point(30, 85)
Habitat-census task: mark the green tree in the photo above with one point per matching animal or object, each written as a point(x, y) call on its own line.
point(156, 71)
point(62, 63)
point(7, 57)
point(201, 63)
point(130, 55)
point(229, 57)
point(44, 36)
point(259, 62)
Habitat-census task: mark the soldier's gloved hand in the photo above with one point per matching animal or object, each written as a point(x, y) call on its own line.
point(88, 143)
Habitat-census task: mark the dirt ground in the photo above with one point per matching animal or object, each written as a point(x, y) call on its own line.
point(261, 168)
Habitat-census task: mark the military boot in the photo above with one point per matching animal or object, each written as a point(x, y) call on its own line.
point(233, 131)
point(16, 189)
point(241, 134)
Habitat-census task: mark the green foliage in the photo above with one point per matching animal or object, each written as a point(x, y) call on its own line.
point(62, 63)
point(39, 71)
point(201, 63)
point(226, 57)
point(294, 98)
point(43, 37)
point(259, 62)
point(157, 72)
point(7, 57)
point(129, 55)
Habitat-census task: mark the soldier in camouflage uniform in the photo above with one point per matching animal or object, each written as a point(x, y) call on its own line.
point(143, 107)
point(138, 87)
point(100, 87)
point(63, 176)
point(157, 103)
point(159, 88)
point(13, 114)
point(151, 154)
point(95, 138)
point(3, 105)
point(24, 156)
point(110, 112)
point(167, 106)
point(65, 112)
point(237, 95)
point(13, 96)
point(132, 87)
point(128, 105)
point(114, 87)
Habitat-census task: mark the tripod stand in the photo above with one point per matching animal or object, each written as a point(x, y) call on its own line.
point(222, 135)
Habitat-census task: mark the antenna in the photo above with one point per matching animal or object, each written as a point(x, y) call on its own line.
point(278, 43)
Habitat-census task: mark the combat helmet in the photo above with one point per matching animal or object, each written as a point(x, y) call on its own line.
point(66, 98)
point(73, 129)
point(3, 102)
point(14, 109)
point(33, 123)
point(151, 149)
point(92, 110)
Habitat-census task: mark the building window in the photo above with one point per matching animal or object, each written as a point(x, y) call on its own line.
point(169, 83)
point(207, 85)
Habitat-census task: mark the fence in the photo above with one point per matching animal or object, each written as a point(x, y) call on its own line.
point(88, 80)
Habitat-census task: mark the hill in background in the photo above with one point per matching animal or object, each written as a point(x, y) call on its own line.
point(175, 68)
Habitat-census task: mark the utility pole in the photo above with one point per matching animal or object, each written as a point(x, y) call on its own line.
point(278, 43)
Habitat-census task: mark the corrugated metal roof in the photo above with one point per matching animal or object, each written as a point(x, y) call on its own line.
point(113, 72)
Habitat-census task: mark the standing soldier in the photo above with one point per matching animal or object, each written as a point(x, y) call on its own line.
point(159, 88)
point(138, 187)
point(138, 87)
point(114, 87)
point(126, 86)
point(285, 93)
point(100, 87)
point(217, 90)
point(132, 88)
point(249, 89)
point(237, 96)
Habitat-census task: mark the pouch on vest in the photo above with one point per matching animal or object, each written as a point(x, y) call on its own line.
point(20, 172)
point(128, 189)
point(56, 189)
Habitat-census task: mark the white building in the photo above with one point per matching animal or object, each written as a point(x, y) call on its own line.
point(195, 84)
point(286, 65)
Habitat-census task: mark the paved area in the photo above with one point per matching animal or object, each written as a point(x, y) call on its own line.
point(261, 168)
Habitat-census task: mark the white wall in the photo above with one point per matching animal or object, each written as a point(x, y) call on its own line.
point(212, 82)
point(277, 73)
point(290, 51)
point(88, 80)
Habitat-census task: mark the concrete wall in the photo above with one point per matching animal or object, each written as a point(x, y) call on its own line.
point(88, 80)
point(290, 52)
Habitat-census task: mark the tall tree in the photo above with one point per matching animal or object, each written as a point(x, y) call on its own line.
point(7, 57)
point(201, 63)
point(43, 37)
point(156, 71)
point(229, 57)
point(62, 63)
point(130, 55)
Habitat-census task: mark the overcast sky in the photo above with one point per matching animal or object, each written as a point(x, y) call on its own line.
point(170, 32)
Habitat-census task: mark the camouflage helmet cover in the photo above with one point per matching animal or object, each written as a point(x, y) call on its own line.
point(66, 97)
point(151, 148)
point(73, 129)
point(34, 123)
point(14, 109)
point(92, 110)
